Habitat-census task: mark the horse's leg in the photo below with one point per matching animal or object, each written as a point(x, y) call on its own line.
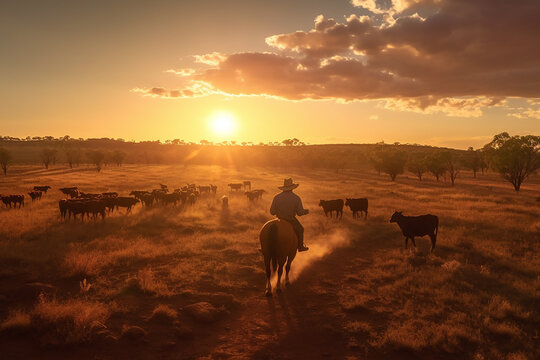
point(287, 269)
point(280, 272)
point(268, 291)
point(413, 242)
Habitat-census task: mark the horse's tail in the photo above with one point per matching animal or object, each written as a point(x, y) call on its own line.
point(272, 243)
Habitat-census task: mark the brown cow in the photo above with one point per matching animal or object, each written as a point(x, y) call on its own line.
point(235, 186)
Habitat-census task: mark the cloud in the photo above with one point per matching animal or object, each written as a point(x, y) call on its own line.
point(181, 72)
point(435, 56)
point(212, 59)
point(462, 107)
point(196, 89)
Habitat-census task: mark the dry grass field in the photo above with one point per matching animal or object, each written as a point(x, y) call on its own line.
point(173, 283)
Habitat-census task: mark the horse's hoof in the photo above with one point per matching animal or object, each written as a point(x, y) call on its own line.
point(268, 293)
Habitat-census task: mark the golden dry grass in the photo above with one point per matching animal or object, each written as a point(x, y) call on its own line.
point(477, 296)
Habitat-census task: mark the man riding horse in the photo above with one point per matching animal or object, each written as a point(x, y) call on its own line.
point(286, 205)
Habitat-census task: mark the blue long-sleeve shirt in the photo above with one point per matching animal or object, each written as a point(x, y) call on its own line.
point(286, 205)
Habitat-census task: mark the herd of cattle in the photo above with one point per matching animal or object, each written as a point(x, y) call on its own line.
point(94, 205)
point(99, 204)
point(411, 226)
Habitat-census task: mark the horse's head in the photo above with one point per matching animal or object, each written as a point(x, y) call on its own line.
point(396, 216)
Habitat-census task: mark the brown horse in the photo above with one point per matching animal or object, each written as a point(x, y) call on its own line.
point(279, 245)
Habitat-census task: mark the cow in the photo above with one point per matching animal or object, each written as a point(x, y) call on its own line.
point(247, 185)
point(110, 203)
point(357, 205)
point(83, 195)
point(412, 226)
point(139, 194)
point(158, 195)
point(147, 199)
point(63, 206)
point(35, 195)
point(254, 194)
point(204, 189)
point(76, 207)
point(43, 189)
point(332, 205)
point(191, 199)
point(126, 202)
point(71, 191)
point(259, 192)
point(224, 203)
point(17, 199)
point(172, 198)
point(13, 200)
point(235, 187)
point(213, 188)
point(95, 207)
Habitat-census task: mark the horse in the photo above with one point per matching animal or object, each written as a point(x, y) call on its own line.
point(278, 244)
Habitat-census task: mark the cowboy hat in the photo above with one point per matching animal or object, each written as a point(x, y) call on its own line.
point(288, 184)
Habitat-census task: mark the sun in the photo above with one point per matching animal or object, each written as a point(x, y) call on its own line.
point(223, 123)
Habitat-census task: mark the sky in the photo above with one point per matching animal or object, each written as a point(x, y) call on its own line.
point(437, 72)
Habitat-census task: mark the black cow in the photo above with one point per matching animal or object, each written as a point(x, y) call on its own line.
point(332, 205)
point(73, 192)
point(43, 189)
point(126, 202)
point(13, 200)
point(63, 206)
point(35, 195)
point(412, 226)
point(357, 205)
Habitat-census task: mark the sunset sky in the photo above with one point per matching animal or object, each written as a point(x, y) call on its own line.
point(437, 72)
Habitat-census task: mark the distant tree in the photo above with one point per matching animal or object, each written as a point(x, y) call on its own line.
point(417, 165)
point(5, 159)
point(435, 165)
point(292, 142)
point(376, 161)
point(452, 163)
point(393, 163)
point(48, 156)
point(97, 158)
point(73, 156)
point(118, 157)
point(515, 157)
point(473, 160)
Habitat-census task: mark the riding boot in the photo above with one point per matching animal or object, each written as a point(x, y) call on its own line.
point(301, 246)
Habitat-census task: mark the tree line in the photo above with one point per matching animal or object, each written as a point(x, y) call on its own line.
point(514, 157)
point(73, 158)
